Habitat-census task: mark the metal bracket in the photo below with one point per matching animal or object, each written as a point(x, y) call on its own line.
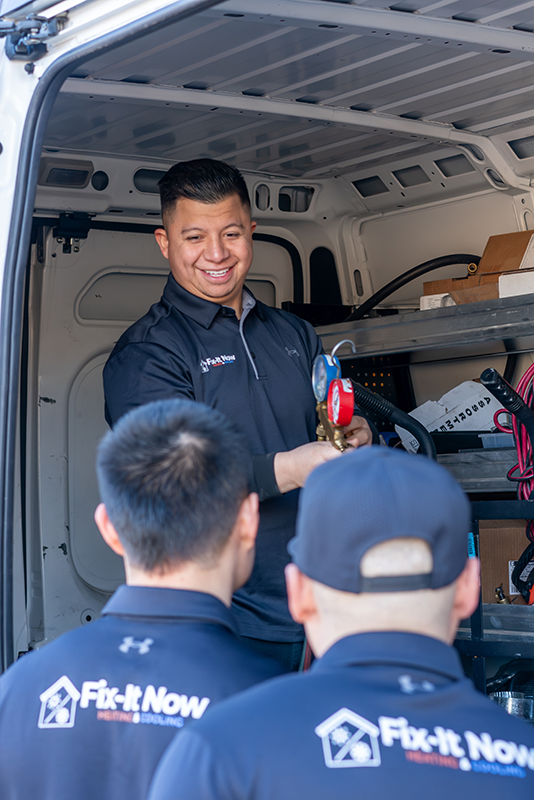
point(73, 226)
point(25, 40)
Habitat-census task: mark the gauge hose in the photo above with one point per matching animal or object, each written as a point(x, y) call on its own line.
point(369, 401)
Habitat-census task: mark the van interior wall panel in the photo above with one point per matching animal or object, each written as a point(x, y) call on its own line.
point(388, 134)
point(470, 221)
point(88, 298)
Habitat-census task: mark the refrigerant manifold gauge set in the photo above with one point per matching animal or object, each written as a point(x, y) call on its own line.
point(335, 399)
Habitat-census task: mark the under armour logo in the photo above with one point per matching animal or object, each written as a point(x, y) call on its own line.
point(409, 686)
point(129, 641)
point(292, 352)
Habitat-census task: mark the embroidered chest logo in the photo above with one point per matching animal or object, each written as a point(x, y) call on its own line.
point(216, 361)
point(292, 352)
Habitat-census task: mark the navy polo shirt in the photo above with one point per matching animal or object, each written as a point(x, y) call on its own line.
point(257, 371)
point(380, 715)
point(90, 714)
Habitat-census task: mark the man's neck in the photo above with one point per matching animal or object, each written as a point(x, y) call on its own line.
point(190, 576)
point(233, 301)
point(325, 634)
point(236, 305)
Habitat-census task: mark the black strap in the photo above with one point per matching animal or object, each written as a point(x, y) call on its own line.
point(524, 586)
point(396, 583)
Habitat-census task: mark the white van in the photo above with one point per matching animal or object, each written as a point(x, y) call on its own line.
point(372, 138)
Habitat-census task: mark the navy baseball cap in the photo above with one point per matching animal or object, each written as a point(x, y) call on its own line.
point(372, 495)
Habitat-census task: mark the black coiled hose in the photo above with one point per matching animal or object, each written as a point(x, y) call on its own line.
point(406, 277)
point(369, 401)
point(509, 399)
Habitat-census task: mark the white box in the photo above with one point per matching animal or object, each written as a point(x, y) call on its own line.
point(430, 301)
point(512, 284)
point(467, 407)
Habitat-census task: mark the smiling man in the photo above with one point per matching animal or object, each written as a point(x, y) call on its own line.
point(210, 340)
point(209, 248)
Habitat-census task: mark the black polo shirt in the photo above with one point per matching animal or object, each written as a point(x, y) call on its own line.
point(257, 371)
point(380, 715)
point(90, 714)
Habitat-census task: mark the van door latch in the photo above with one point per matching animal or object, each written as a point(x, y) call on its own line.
point(72, 226)
point(25, 40)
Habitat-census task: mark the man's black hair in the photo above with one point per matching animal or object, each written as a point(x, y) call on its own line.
point(172, 475)
point(204, 180)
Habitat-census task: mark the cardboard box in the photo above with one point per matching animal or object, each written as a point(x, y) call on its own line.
point(503, 253)
point(501, 541)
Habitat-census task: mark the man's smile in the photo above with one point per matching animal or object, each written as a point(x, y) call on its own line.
point(221, 273)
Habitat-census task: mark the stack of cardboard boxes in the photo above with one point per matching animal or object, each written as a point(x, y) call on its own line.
point(506, 268)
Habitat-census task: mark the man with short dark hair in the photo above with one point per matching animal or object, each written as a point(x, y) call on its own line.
point(89, 715)
point(381, 579)
point(210, 340)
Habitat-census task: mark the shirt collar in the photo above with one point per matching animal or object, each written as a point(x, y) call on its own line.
point(198, 309)
point(182, 604)
point(393, 649)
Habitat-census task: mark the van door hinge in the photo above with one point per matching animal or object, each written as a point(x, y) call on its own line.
point(72, 226)
point(25, 40)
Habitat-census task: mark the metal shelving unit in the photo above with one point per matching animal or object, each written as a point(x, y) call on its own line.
point(491, 321)
point(506, 642)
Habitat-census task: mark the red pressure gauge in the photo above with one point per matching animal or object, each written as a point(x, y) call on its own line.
point(340, 402)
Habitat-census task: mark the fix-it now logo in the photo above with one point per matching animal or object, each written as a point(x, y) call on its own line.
point(216, 361)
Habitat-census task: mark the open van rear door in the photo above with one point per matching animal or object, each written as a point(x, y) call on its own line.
point(42, 43)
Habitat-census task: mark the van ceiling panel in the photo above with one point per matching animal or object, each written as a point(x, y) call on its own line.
point(217, 84)
point(503, 13)
point(254, 141)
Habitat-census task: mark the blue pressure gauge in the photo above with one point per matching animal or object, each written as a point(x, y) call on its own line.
point(325, 370)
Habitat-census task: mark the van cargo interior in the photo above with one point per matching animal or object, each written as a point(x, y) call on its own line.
point(372, 139)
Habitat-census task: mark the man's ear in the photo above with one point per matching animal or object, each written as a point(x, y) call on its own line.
point(301, 600)
point(253, 226)
point(248, 520)
point(163, 240)
point(108, 532)
point(467, 590)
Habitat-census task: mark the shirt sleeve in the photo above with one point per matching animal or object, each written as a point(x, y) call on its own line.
point(141, 373)
point(263, 477)
point(190, 770)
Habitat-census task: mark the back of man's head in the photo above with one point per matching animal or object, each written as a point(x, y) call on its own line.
point(172, 475)
point(383, 536)
point(203, 180)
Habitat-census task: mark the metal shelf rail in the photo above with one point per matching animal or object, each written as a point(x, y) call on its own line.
point(473, 323)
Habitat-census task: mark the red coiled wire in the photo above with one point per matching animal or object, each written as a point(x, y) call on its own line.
point(523, 472)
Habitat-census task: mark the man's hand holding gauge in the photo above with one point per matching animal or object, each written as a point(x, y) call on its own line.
point(335, 404)
point(343, 428)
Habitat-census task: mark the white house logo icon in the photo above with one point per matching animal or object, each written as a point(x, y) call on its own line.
point(58, 705)
point(349, 740)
